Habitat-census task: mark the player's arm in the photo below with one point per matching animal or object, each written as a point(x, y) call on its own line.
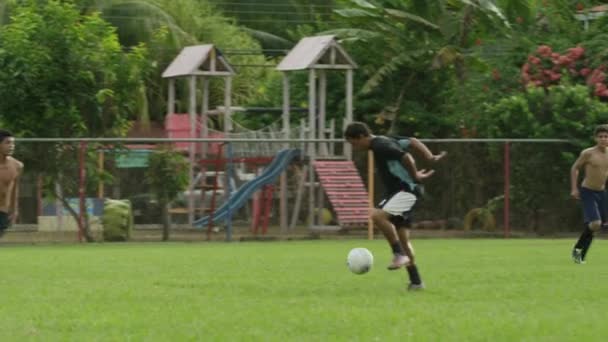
point(574, 172)
point(13, 208)
point(410, 165)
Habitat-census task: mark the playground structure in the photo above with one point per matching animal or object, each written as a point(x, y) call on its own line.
point(338, 179)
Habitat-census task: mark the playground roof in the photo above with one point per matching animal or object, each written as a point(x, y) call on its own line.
point(199, 60)
point(321, 52)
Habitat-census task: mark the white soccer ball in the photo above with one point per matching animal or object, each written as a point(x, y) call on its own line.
point(359, 260)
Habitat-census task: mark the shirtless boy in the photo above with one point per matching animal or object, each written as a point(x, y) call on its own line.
point(10, 172)
point(594, 161)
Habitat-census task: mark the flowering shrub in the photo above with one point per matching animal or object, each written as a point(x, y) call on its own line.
point(546, 68)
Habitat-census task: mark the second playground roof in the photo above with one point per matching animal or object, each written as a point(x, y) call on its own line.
point(314, 51)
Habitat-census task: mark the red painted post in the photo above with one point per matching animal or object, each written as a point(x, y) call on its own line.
point(507, 176)
point(81, 188)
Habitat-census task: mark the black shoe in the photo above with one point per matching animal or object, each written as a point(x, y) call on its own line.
point(577, 256)
point(415, 287)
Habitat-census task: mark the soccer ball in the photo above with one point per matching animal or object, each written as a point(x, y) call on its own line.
point(359, 260)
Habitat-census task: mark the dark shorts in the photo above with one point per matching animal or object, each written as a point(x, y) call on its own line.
point(594, 205)
point(4, 221)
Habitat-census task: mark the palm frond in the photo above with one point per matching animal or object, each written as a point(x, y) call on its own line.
point(356, 13)
point(269, 40)
point(390, 68)
point(412, 17)
point(364, 4)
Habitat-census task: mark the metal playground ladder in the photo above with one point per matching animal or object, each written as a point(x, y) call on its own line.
point(345, 191)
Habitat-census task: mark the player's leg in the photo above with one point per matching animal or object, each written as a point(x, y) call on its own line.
point(593, 222)
point(411, 268)
point(382, 221)
point(4, 223)
point(423, 150)
point(395, 206)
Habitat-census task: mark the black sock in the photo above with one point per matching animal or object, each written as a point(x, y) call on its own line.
point(412, 271)
point(396, 247)
point(587, 244)
point(582, 240)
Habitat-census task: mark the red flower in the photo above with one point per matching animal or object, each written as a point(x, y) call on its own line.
point(544, 50)
point(601, 90)
point(585, 71)
point(533, 59)
point(478, 41)
point(597, 76)
point(563, 61)
point(576, 52)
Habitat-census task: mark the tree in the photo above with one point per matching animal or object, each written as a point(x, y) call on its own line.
point(167, 176)
point(63, 74)
point(416, 46)
point(166, 26)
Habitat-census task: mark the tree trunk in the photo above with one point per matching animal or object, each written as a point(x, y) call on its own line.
point(165, 218)
point(394, 123)
point(83, 227)
point(465, 29)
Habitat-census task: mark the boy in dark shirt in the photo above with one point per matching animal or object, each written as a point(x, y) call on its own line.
point(397, 170)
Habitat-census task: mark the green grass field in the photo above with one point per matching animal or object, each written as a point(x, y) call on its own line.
point(477, 290)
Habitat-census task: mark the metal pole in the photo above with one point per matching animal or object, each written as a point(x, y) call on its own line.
point(229, 191)
point(507, 162)
point(370, 193)
point(81, 188)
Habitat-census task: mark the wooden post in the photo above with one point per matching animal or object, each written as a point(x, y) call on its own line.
point(286, 106)
point(192, 148)
point(204, 145)
point(227, 104)
point(204, 117)
point(322, 111)
point(100, 159)
point(171, 97)
point(349, 110)
point(312, 146)
point(283, 180)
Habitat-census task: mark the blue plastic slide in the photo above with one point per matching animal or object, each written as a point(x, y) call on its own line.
point(240, 197)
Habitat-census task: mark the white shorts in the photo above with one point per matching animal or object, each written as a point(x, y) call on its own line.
point(399, 204)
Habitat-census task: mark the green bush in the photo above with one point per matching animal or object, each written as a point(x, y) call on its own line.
point(117, 220)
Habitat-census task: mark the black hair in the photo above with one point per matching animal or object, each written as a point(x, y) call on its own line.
point(600, 129)
point(4, 134)
point(356, 130)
